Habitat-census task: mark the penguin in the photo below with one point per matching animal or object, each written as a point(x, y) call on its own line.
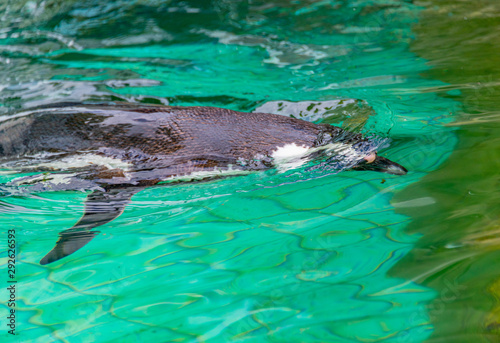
point(117, 149)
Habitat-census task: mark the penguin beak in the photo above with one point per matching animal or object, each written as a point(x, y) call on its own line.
point(382, 164)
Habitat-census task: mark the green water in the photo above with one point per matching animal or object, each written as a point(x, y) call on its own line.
point(297, 257)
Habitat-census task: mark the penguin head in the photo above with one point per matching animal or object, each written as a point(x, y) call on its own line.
point(356, 151)
point(381, 164)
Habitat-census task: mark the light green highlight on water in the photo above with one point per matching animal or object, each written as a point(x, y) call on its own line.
point(227, 261)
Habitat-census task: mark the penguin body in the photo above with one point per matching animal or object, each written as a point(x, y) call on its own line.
point(124, 147)
point(155, 143)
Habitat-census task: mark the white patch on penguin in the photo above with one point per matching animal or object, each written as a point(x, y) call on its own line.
point(293, 156)
point(204, 174)
point(52, 182)
point(84, 160)
point(290, 156)
point(54, 179)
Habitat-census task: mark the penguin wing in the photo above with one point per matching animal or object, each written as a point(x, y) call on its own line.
point(101, 207)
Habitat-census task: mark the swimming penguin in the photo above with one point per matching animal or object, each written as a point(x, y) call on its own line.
point(123, 148)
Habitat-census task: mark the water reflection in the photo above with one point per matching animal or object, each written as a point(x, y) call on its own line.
point(458, 251)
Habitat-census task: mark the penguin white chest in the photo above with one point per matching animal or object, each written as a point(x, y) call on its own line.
point(290, 156)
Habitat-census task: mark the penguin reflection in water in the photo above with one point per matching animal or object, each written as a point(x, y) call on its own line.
point(118, 149)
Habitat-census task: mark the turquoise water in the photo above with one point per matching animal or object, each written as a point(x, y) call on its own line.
point(264, 257)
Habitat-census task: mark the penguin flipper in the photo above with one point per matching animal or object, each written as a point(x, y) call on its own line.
point(101, 207)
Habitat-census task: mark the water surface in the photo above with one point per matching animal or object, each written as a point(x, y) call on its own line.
point(267, 257)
